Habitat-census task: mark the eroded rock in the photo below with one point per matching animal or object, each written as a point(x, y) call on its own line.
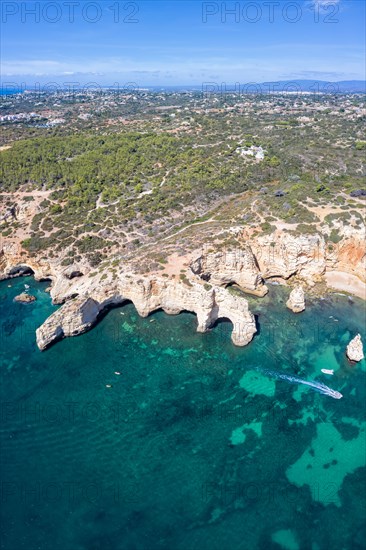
point(73, 318)
point(149, 294)
point(25, 298)
point(296, 301)
point(355, 349)
point(231, 266)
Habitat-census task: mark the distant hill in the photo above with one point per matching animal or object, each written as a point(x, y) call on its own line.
point(351, 86)
point(312, 86)
point(322, 86)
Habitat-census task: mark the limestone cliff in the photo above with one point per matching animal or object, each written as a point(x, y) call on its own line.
point(349, 256)
point(73, 318)
point(296, 301)
point(14, 261)
point(84, 294)
point(148, 294)
point(231, 266)
point(283, 255)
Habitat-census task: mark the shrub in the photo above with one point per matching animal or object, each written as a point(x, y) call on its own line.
point(335, 237)
point(360, 145)
point(55, 209)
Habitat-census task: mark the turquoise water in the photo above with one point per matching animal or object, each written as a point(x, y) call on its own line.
point(192, 447)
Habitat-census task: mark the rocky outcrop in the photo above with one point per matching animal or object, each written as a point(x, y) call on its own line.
point(284, 255)
point(149, 294)
point(72, 272)
point(349, 256)
point(296, 301)
point(231, 266)
point(73, 318)
point(25, 298)
point(9, 213)
point(14, 262)
point(84, 294)
point(355, 349)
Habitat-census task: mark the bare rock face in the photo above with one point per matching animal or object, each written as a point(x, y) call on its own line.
point(149, 294)
point(283, 255)
point(349, 256)
point(236, 309)
point(14, 264)
point(296, 301)
point(26, 210)
point(25, 298)
point(231, 266)
point(84, 294)
point(355, 349)
point(73, 318)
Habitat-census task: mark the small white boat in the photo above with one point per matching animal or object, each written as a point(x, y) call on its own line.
point(328, 371)
point(116, 372)
point(26, 287)
point(108, 385)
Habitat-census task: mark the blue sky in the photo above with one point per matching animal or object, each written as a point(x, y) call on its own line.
point(182, 42)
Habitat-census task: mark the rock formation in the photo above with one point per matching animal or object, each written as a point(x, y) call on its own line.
point(73, 318)
point(296, 301)
point(355, 349)
point(349, 256)
point(283, 255)
point(149, 294)
point(231, 266)
point(25, 298)
point(83, 294)
point(72, 272)
point(14, 262)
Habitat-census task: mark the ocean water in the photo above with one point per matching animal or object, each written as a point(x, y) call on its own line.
point(12, 91)
point(193, 446)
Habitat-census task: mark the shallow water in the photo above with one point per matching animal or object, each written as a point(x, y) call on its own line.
point(192, 447)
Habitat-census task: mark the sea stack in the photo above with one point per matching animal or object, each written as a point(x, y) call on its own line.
point(25, 298)
point(296, 301)
point(355, 349)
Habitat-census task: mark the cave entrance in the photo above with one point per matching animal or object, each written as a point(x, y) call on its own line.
point(20, 271)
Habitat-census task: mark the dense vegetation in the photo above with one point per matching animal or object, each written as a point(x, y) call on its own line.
point(123, 171)
point(117, 166)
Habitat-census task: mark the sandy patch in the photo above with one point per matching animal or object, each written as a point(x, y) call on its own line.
point(346, 282)
point(176, 264)
point(322, 212)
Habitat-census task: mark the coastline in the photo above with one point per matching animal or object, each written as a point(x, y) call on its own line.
point(345, 282)
point(202, 285)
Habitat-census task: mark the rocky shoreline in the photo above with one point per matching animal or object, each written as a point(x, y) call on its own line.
point(150, 294)
point(201, 289)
